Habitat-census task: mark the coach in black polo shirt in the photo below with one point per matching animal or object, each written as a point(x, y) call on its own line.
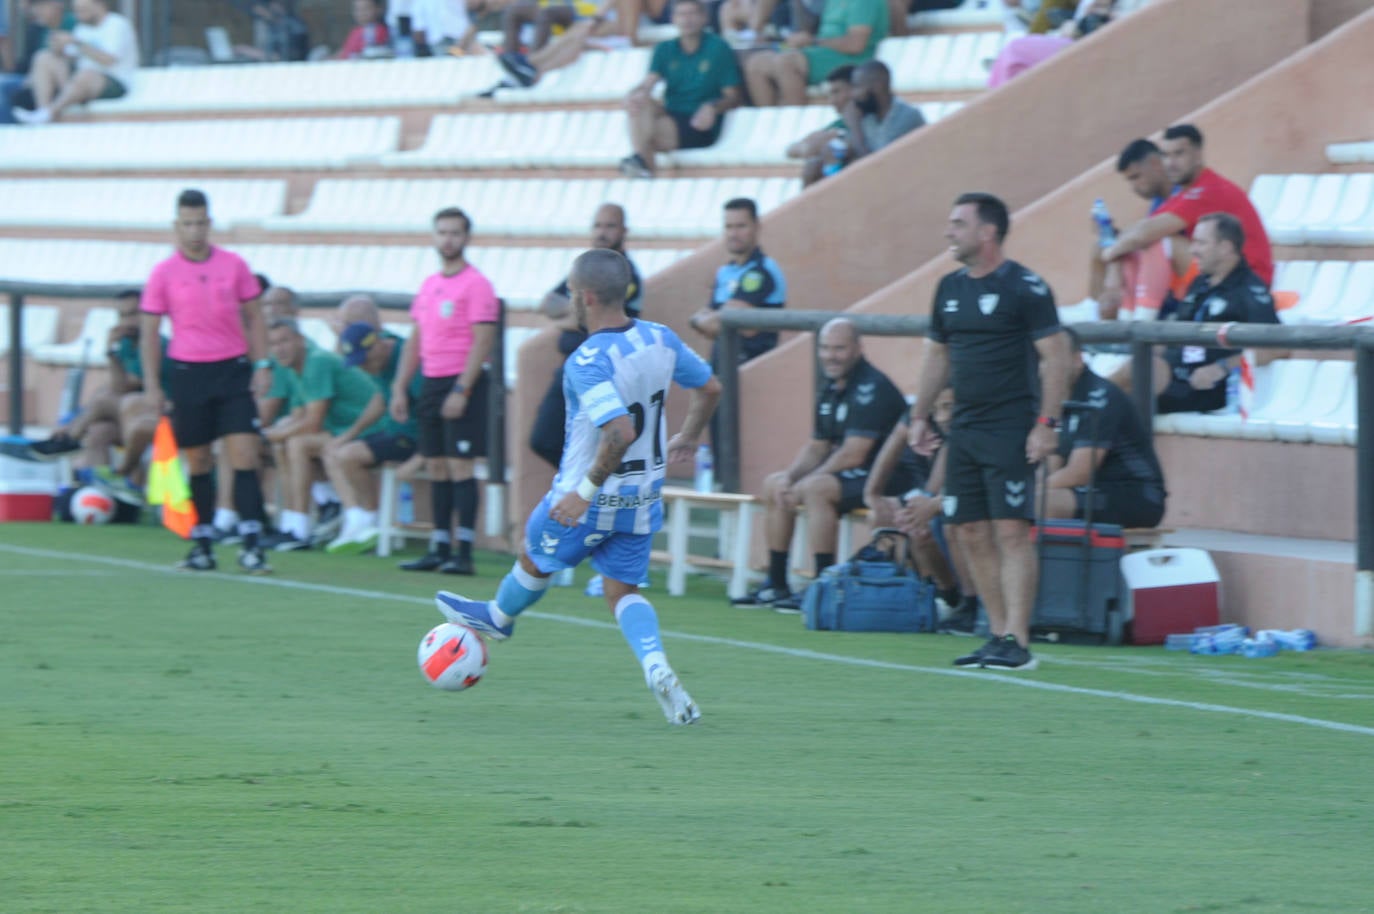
point(991, 325)
point(856, 408)
point(1104, 443)
point(1226, 290)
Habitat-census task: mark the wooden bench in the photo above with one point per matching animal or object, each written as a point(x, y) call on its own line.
point(737, 518)
point(1141, 538)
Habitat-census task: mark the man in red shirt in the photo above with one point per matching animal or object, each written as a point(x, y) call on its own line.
point(1200, 191)
point(217, 358)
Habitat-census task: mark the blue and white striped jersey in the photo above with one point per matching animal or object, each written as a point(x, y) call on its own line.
point(625, 371)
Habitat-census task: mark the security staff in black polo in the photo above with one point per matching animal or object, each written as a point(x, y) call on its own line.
point(1226, 290)
point(992, 324)
point(856, 407)
point(1105, 459)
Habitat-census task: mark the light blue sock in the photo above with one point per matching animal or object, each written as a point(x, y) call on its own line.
point(639, 624)
point(519, 590)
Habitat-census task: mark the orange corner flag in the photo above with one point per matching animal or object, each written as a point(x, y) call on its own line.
point(166, 484)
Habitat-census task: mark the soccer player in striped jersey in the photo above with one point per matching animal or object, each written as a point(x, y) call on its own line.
point(604, 504)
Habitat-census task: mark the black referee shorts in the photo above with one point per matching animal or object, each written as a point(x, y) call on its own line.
point(987, 476)
point(465, 437)
point(211, 400)
point(1126, 504)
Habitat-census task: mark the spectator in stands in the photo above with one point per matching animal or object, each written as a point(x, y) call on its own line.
point(1021, 54)
point(819, 159)
point(44, 16)
point(278, 33)
point(355, 309)
point(628, 14)
point(1103, 444)
point(456, 314)
point(702, 81)
point(369, 37)
point(348, 462)
point(442, 27)
point(330, 404)
point(608, 232)
point(856, 407)
point(1134, 286)
point(764, 20)
point(1200, 191)
point(749, 279)
point(96, 60)
point(991, 322)
point(542, 15)
point(1226, 290)
point(849, 34)
point(6, 46)
point(903, 491)
point(588, 27)
point(875, 117)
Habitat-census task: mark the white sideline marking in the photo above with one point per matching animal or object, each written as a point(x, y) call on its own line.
point(982, 675)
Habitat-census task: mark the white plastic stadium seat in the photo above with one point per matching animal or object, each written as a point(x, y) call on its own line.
point(1350, 153)
point(1337, 426)
point(971, 15)
point(40, 327)
point(88, 348)
point(1224, 424)
point(259, 144)
point(1295, 276)
point(1292, 384)
point(596, 76)
point(1264, 194)
point(1351, 221)
point(318, 331)
point(1330, 388)
point(132, 203)
point(1321, 304)
point(1283, 221)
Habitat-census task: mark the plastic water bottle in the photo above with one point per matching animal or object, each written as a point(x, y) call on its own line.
point(1106, 232)
point(1258, 647)
point(1233, 390)
point(705, 478)
point(839, 151)
point(405, 514)
point(1179, 642)
point(1298, 639)
point(1218, 639)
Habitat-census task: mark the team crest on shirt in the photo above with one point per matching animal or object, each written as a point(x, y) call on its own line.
point(1214, 305)
point(752, 281)
point(704, 66)
point(446, 309)
point(1073, 423)
point(841, 411)
point(987, 303)
point(864, 393)
point(1016, 493)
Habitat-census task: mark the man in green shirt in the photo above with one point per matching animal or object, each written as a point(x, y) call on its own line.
point(849, 34)
point(348, 463)
point(701, 80)
point(328, 402)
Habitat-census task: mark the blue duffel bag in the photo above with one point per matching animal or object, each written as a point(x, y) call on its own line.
point(875, 591)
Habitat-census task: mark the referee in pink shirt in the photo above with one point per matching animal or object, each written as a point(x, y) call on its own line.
point(218, 355)
point(456, 315)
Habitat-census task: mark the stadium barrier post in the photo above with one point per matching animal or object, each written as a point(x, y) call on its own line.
point(16, 363)
point(727, 448)
point(1364, 488)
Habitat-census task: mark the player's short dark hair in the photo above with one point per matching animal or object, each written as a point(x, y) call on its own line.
point(1136, 151)
point(453, 212)
point(991, 211)
point(841, 74)
point(604, 273)
point(129, 293)
point(877, 69)
point(1228, 228)
point(263, 281)
point(1184, 132)
point(190, 198)
point(744, 203)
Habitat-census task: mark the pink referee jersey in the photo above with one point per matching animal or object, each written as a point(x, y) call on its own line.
point(444, 310)
point(203, 299)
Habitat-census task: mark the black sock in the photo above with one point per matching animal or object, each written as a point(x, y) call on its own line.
point(824, 560)
point(777, 569)
point(248, 502)
point(203, 499)
point(441, 503)
point(465, 504)
point(950, 596)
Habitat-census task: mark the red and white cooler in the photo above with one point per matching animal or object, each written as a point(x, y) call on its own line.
point(27, 486)
point(1169, 591)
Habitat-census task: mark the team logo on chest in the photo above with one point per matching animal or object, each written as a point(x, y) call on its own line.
point(841, 411)
point(446, 309)
point(987, 303)
point(1214, 305)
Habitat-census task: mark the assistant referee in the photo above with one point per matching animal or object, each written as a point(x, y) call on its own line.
point(217, 357)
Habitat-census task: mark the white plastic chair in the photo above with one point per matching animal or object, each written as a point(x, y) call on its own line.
point(1330, 388)
point(89, 347)
point(39, 327)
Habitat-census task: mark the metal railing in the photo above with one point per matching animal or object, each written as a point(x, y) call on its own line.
point(1141, 337)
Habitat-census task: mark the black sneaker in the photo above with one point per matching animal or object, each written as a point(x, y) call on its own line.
point(55, 446)
point(430, 561)
point(519, 67)
point(328, 523)
point(789, 605)
point(252, 560)
point(634, 166)
point(282, 541)
point(763, 596)
point(1006, 653)
point(198, 559)
point(975, 657)
point(458, 564)
point(503, 84)
point(963, 621)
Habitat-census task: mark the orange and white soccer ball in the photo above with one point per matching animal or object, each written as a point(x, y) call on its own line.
point(452, 657)
point(91, 505)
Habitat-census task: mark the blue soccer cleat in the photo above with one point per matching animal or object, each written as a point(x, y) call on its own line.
point(475, 614)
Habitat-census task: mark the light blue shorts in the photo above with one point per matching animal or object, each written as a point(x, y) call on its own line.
point(552, 547)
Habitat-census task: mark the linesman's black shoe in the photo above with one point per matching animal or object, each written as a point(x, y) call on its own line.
point(199, 558)
point(458, 564)
point(252, 560)
point(430, 561)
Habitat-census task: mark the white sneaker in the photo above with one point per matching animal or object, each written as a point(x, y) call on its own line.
point(354, 542)
point(38, 116)
point(677, 705)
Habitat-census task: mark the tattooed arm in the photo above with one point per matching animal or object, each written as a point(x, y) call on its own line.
point(616, 438)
